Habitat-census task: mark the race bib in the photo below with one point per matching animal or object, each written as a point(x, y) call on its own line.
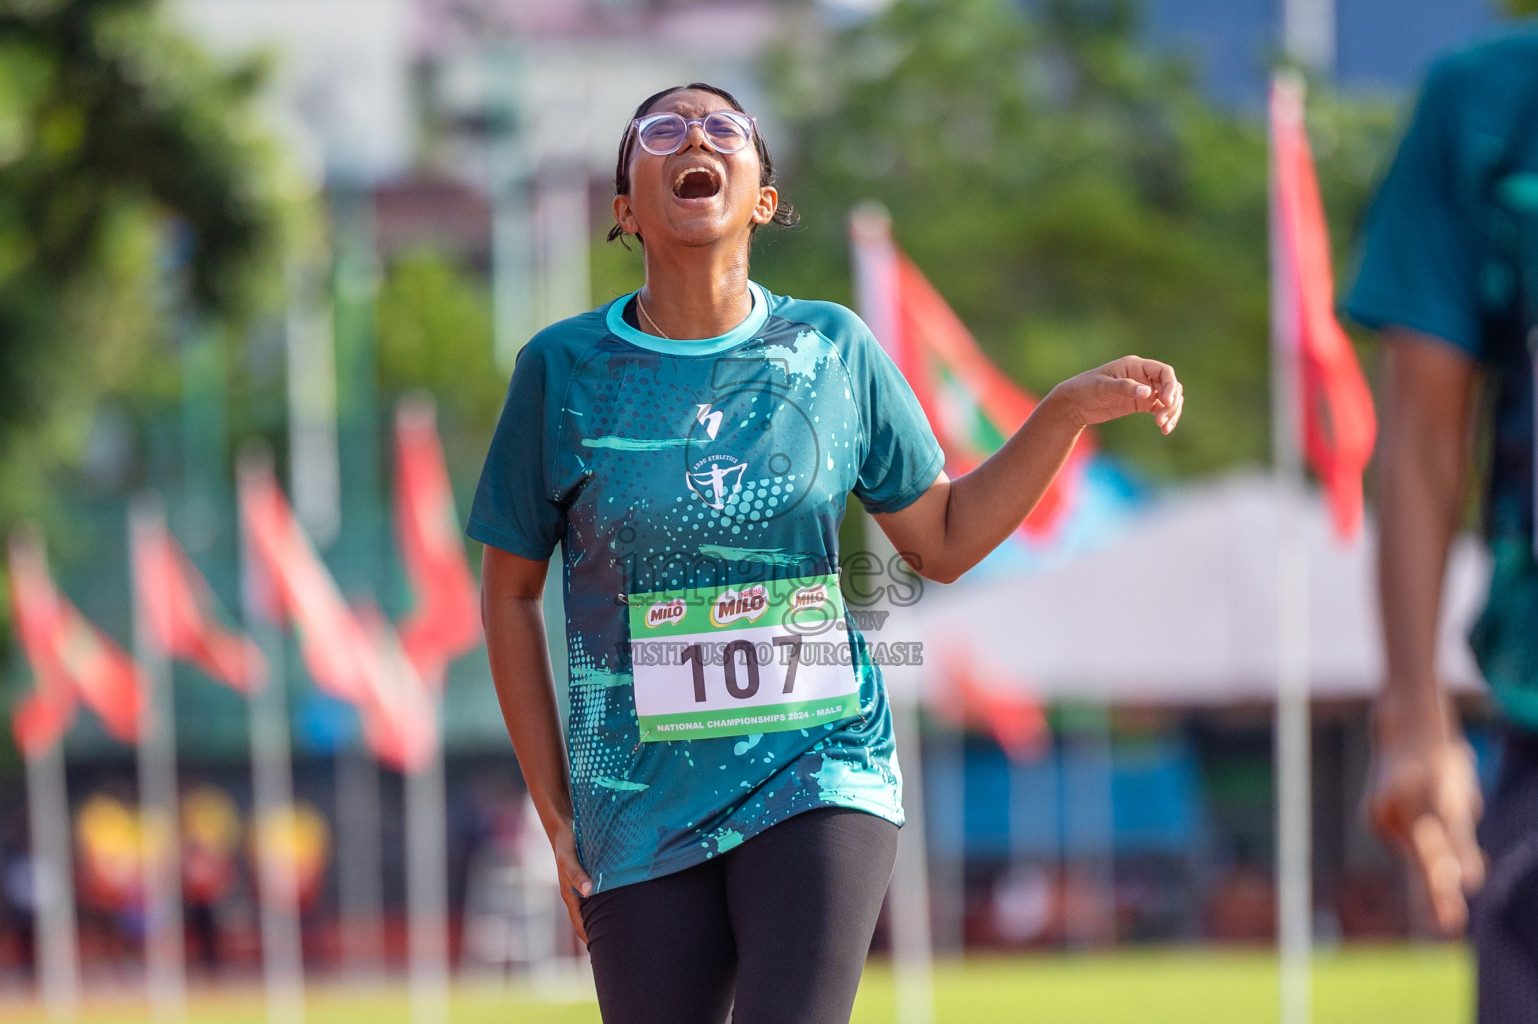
point(731, 661)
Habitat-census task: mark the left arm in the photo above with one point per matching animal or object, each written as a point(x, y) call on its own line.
point(955, 523)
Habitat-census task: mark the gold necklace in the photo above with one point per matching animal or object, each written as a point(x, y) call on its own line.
point(642, 307)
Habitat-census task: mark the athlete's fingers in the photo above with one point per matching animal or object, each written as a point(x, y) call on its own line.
point(1471, 859)
point(575, 884)
point(1390, 810)
point(1141, 394)
point(1160, 375)
point(1169, 391)
point(564, 846)
point(1461, 806)
point(1174, 408)
point(572, 874)
point(574, 911)
point(1440, 871)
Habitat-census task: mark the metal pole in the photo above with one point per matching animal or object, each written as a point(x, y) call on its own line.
point(359, 559)
point(1294, 882)
point(912, 942)
point(164, 957)
point(53, 887)
point(204, 429)
point(947, 756)
point(875, 273)
point(314, 460)
point(272, 787)
point(561, 210)
point(909, 895)
point(513, 268)
point(355, 287)
point(427, 891)
point(1308, 33)
point(360, 888)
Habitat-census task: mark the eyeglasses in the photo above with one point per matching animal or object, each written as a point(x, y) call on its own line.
point(727, 131)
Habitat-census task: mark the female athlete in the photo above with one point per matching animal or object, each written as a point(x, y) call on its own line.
point(724, 807)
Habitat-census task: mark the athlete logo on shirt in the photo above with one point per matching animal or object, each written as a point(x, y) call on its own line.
point(767, 432)
point(711, 421)
point(715, 478)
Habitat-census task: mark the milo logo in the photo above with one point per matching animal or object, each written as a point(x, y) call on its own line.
point(809, 597)
point(664, 612)
point(732, 605)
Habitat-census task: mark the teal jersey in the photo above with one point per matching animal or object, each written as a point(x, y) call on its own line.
point(696, 490)
point(1449, 248)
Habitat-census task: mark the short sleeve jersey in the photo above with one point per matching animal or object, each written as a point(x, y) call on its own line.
point(660, 464)
point(1449, 248)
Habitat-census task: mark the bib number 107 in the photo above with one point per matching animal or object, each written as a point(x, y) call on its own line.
point(742, 683)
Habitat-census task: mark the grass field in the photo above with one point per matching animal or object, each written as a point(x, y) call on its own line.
point(1393, 985)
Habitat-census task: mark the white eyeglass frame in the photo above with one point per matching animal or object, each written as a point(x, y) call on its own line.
point(746, 121)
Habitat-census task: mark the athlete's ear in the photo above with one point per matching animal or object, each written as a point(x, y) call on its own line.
point(625, 216)
point(768, 202)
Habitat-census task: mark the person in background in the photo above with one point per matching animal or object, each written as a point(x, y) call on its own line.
point(211, 834)
point(1448, 274)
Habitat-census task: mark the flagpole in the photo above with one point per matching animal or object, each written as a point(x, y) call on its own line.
point(357, 526)
point(426, 883)
point(164, 956)
point(875, 270)
point(271, 781)
point(1294, 812)
point(53, 887)
point(315, 480)
point(1309, 32)
point(908, 896)
point(360, 886)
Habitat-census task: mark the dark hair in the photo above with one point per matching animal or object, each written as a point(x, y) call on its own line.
point(785, 215)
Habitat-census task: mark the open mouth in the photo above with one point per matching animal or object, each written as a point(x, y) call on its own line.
point(696, 183)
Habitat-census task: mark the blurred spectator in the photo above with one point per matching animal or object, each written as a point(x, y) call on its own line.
point(21, 904)
point(1024, 905)
point(210, 835)
point(1241, 907)
point(300, 839)
point(1370, 906)
point(107, 838)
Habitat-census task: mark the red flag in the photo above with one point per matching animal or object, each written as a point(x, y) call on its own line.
point(1339, 425)
point(42, 716)
point(983, 697)
point(345, 659)
point(45, 714)
point(182, 614)
point(971, 404)
point(72, 659)
point(447, 619)
point(331, 642)
point(401, 722)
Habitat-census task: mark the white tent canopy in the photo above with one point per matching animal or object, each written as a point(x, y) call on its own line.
point(1182, 609)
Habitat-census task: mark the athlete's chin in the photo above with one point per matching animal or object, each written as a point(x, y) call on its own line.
point(706, 230)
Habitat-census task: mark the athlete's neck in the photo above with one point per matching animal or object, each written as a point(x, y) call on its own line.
point(695, 293)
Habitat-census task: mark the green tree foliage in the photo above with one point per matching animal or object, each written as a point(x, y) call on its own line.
point(435, 333)
point(125, 155)
point(1074, 197)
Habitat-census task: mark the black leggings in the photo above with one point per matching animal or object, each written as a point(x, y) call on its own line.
point(1504, 925)
point(780, 926)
